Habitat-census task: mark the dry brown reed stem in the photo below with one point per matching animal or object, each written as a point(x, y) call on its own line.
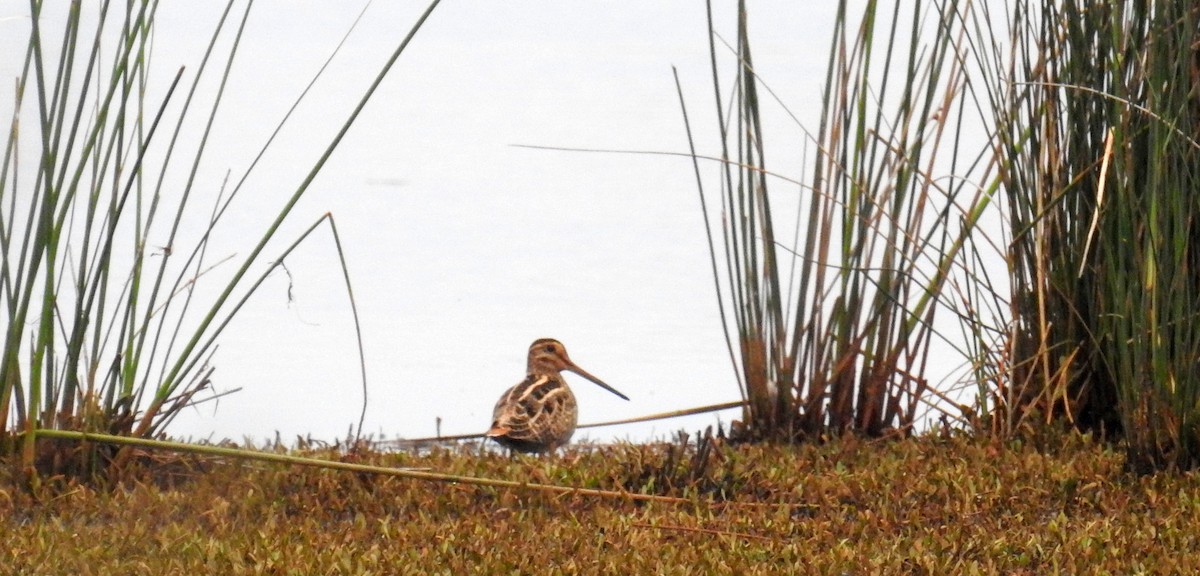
point(647, 418)
point(368, 469)
point(671, 414)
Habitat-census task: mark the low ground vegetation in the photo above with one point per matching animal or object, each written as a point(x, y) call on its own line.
point(851, 506)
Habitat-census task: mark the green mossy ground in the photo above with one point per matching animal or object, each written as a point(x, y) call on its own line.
point(926, 505)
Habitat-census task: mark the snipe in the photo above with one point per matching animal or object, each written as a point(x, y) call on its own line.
point(540, 413)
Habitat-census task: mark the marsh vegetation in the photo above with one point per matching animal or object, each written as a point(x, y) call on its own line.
point(1014, 183)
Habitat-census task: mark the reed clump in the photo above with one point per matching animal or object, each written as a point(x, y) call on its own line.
point(103, 243)
point(1063, 241)
point(1097, 113)
point(831, 327)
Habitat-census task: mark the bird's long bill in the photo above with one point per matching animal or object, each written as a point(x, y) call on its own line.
point(580, 371)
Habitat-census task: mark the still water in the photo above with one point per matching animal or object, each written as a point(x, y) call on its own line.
point(463, 248)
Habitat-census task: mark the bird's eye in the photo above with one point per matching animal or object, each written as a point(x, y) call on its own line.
point(550, 348)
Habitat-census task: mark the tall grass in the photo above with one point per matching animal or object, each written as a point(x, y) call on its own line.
point(832, 331)
point(1100, 126)
point(104, 331)
point(1093, 113)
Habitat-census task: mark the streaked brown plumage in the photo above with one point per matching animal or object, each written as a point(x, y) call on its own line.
point(540, 413)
